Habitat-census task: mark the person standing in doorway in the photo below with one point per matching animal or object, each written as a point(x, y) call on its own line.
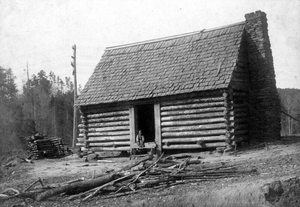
point(140, 139)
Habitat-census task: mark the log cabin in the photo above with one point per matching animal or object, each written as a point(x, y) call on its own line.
point(197, 90)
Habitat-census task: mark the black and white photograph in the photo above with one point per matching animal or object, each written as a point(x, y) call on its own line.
point(149, 103)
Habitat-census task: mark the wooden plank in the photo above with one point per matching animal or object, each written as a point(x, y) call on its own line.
point(95, 134)
point(195, 146)
point(97, 109)
point(194, 127)
point(108, 114)
point(99, 149)
point(109, 144)
point(78, 144)
point(108, 119)
point(194, 122)
point(192, 106)
point(194, 139)
point(192, 111)
point(105, 124)
point(132, 124)
point(107, 129)
point(157, 124)
point(194, 133)
point(195, 100)
point(109, 138)
point(193, 116)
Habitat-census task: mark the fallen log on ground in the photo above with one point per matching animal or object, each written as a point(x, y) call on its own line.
point(71, 188)
point(97, 189)
point(78, 186)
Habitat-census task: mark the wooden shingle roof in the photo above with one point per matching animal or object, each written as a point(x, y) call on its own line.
point(187, 63)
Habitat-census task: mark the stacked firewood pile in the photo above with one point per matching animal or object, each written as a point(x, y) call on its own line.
point(41, 147)
point(136, 177)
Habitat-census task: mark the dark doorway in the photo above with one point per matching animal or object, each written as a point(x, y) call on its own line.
point(145, 121)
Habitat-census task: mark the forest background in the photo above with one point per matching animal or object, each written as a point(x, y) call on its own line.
point(45, 106)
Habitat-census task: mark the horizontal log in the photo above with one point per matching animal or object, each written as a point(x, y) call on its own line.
point(80, 144)
point(192, 106)
point(194, 122)
point(196, 100)
point(108, 144)
point(195, 146)
point(192, 111)
point(108, 119)
point(194, 139)
point(81, 135)
point(97, 109)
point(193, 127)
point(99, 149)
point(108, 114)
point(109, 138)
point(107, 129)
point(194, 133)
point(104, 124)
point(95, 134)
point(192, 116)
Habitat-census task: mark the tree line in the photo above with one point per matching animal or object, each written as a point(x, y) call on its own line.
point(44, 106)
point(290, 104)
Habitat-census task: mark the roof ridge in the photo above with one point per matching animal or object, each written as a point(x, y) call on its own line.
point(171, 37)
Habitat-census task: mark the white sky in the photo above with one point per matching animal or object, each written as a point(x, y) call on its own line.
point(42, 32)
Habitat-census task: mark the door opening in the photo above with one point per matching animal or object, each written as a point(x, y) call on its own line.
point(145, 121)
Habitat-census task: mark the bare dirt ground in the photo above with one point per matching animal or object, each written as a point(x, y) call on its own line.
point(278, 161)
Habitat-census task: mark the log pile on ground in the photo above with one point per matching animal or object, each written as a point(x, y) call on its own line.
point(41, 147)
point(141, 175)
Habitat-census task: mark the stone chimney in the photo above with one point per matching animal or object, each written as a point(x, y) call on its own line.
point(264, 99)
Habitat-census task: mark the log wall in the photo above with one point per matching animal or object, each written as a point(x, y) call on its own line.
point(241, 113)
point(102, 130)
point(194, 123)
